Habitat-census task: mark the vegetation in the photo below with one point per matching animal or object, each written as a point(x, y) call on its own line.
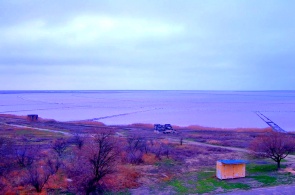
point(266, 180)
point(96, 160)
point(267, 175)
point(273, 145)
point(204, 182)
point(264, 168)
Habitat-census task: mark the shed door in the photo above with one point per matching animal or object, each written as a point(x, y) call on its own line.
point(239, 170)
point(228, 171)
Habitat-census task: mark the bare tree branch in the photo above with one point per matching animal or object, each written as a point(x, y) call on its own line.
point(273, 145)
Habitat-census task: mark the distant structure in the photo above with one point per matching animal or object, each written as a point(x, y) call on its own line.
point(270, 123)
point(167, 128)
point(230, 169)
point(32, 117)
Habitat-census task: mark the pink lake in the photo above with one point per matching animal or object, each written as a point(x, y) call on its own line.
point(225, 109)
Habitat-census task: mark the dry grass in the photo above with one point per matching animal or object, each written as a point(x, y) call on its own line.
point(13, 116)
point(125, 177)
point(214, 142)
point(95, 123)
point(182, 159)
point(238, 129)
point(142, 125)
point(149, 158)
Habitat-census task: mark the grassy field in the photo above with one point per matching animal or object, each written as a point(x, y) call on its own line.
point(205, 181)
point(165, 166)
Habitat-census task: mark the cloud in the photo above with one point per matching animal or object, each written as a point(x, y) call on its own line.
point(186, 44)
point(87, 29)
point(82, 39)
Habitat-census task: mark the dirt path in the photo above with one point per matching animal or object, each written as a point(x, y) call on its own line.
point(119, 134)
point(290, 164)
point(290, 158)
point(276, 190)
point(56, 131)
point(39, 129)
point(208, 145)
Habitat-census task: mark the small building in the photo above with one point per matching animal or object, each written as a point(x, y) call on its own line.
point(229, 169)
point(32, 117)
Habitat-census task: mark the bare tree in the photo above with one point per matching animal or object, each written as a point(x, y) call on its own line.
point(135, 148)
point(38, 176)
point(34, 166)
point(158, 150)
point(25, 154)
point(166, 150)
point(60, 146)
point(53, 165)
point(78, 141)
point(6, 159)
point(41, 169)
point(274, 145)
point(3, 155)
point(107, 153)
point(97, 160)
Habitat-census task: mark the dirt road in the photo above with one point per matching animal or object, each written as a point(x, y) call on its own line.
point(208, 145)
point(39, 129)
point(276, 190)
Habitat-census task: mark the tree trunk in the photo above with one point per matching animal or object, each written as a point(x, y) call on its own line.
point(90, 187)
point(279, 164)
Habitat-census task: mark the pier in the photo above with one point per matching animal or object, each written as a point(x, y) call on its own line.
point(272, 124)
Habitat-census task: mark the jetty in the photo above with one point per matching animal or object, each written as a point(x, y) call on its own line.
point(272, 124)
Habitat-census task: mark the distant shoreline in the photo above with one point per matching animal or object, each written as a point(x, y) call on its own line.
point(144, 125)
point(206, 109)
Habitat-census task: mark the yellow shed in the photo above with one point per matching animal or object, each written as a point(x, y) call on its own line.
point(229, 169)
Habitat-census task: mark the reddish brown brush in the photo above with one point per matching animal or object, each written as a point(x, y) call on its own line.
point(238, 129)
point(95, 123)
point(125, 177)
point(142, 125)
point(13, 116)
point(202, 128)
point(149, 158)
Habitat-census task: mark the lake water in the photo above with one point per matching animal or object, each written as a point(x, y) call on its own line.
point(226, 109)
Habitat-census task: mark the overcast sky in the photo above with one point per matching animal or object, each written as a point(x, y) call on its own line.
point(147, 44)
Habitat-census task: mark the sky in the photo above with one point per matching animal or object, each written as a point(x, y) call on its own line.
point(147, 45)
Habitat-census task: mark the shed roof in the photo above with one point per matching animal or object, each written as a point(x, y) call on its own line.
point(232, 162)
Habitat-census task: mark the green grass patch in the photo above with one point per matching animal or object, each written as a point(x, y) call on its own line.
point(266, 168)
point(204, 182)
point(37, 133)
point(207, 182)
point(258, 175)
point(266, 180)
point(255, 168)
point(166, 162)
point(179, 187)
point(205, 174)
point(205, 185)
point(211, 184)
point(23, 132)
